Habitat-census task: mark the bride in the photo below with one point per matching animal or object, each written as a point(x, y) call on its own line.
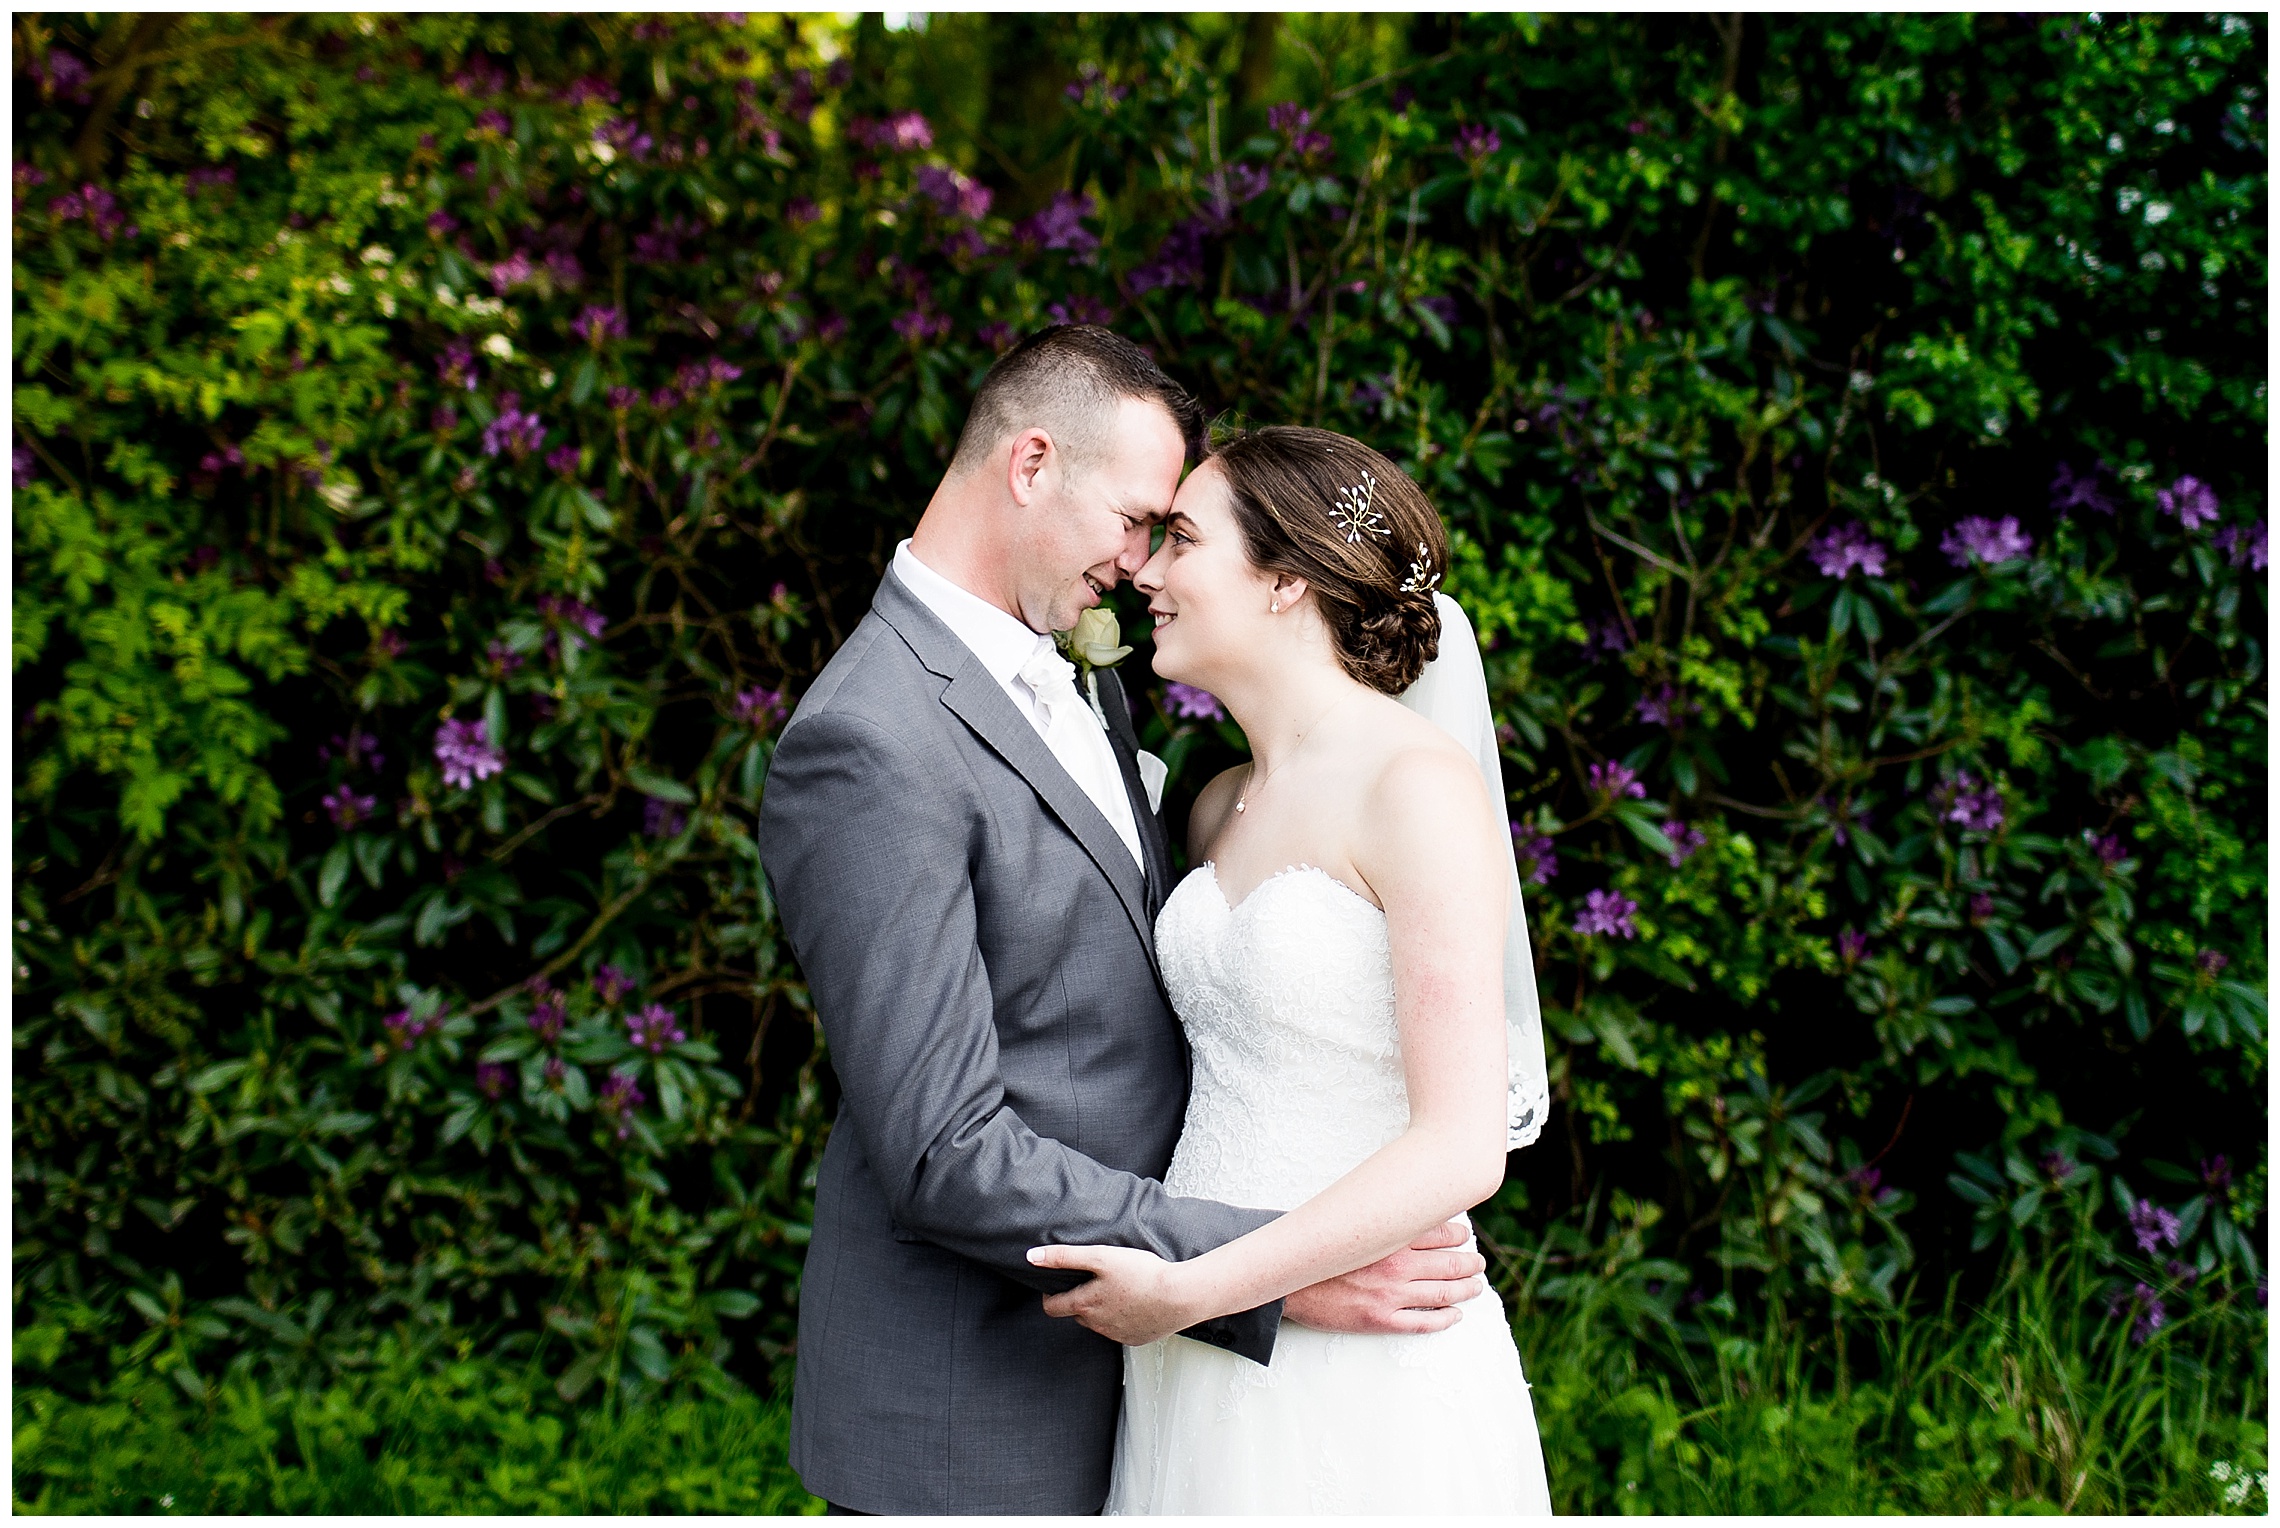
point(1340, 960)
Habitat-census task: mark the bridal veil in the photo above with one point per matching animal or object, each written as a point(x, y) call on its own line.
point(1453, 691)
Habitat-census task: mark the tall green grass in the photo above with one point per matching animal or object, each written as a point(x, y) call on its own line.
point(471, 1436)
point(2036, 1397)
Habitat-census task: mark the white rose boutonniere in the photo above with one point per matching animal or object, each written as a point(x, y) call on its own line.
point(1096, 642)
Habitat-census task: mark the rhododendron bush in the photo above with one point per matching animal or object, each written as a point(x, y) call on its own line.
point(446, 447)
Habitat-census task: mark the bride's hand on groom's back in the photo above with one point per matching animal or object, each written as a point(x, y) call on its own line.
point(1414, 1290)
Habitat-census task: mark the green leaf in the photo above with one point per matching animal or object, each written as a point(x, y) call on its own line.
point(220, 1075)
point(334, 873)
point(661, 787)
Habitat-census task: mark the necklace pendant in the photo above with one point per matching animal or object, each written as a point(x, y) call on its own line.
point(1238, 806)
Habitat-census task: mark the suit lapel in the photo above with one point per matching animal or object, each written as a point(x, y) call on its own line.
point(1153, 842)
point(979, 701)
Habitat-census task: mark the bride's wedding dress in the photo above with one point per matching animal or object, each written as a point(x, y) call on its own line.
point(1288, 1003)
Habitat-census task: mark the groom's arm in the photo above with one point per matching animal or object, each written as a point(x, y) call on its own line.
point(869, 863)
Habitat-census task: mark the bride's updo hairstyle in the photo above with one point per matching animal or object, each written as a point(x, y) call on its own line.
point(1328, 509)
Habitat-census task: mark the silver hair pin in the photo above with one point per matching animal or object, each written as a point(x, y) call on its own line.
point(1355, 511)
point(1421, 575)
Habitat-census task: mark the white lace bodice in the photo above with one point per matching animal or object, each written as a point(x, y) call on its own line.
point(1288, 1004)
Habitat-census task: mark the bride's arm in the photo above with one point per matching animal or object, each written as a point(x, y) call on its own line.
point(1428, 850)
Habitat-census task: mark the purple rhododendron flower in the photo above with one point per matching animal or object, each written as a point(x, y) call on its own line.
point(440, 223)
point(653, 1028)
point(1989, 543)
point(612, 983)
point(1533, 851)
point(598, 326)
point(903, 133)
point(760, 708)
point(1975, 806)
point(359, 747)
point(465, 751)
point(1685, 840)
point(62, 74)
point(492, 1078)
point(2153, 1225)
point(1188, 703)
point(1233, 185)
point(1288, 117)
point(711, 372)
point(588, 88)
point(546, 1020)
point(1060, 226)
point(457, 365)
point(2216, 1174)
point(921, 324)
point(514, 431)
point(1848, 547)
point(953, 194)
point(2244, 546)
point(1667, 706)
point(624, 136)
point(621, 1095)
point(2069, 492)
point(1982, 907)
point(1615, 779)
point(799, 211)
point(563, 460)
point(24, 466)
point(98, 206)
point(1178, 260)
point(2109, 849)
point(407, 1029)
point(1081, 310)
point(1476, 141)
point(1605, 634)
point(2192, 501)
point(346, 807)
point(621, 399)
point(2212, 962)
point(1852, 946)
point(571, 612)
point(2152, 1316)
point(1607, 912)
point(563, 266)
point(662, 819)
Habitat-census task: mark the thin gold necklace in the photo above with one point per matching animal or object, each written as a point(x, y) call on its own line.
point(1243, 797)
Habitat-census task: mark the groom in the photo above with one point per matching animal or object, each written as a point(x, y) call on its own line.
point(968, 864)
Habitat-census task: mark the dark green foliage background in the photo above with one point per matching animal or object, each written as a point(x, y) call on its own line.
point(1720, 288)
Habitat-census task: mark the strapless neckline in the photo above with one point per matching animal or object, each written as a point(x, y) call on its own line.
point(1211, 869)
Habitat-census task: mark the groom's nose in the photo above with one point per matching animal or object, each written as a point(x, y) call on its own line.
point(1135, 554)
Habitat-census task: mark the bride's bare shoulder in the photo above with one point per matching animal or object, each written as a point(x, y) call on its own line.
point(1423, 790)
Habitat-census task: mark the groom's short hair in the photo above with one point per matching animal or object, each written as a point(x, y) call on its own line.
point(1067, 381)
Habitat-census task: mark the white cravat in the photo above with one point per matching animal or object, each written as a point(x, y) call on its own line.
point(1012, 654)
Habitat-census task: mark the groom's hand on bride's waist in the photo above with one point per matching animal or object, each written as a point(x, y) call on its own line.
point(1414, 1290)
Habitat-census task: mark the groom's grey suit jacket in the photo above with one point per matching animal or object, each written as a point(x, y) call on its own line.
point(979, 946)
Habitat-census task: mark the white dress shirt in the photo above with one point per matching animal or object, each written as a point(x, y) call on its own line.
point(1005, 645)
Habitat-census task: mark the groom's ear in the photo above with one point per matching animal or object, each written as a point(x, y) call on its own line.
point(1031, 450)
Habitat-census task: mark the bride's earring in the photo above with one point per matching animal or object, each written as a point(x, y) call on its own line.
point(1275, 608)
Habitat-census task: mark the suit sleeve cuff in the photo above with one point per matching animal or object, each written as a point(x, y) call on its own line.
point(1247, 1334)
